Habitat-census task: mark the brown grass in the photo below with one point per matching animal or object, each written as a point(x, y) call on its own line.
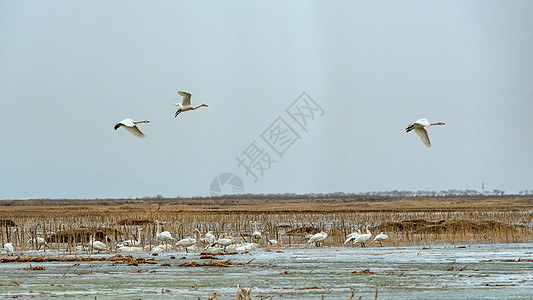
point(66, 224)
point(127, 259)
point(11, 283)
point(34, 268)
point(81, 235)
point(220, 264)
point(366, 271)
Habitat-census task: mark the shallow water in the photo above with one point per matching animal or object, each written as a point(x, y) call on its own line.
point(441, 272)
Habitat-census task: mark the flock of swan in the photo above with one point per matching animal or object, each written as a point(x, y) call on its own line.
point(419, 126)
point(165, 241)
point(362, 238)
point(165, 237)
point(225, 240)
point(185, 105)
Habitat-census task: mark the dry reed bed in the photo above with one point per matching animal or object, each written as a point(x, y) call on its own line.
point(117, 259)
point(406, 222)
point(51, 208)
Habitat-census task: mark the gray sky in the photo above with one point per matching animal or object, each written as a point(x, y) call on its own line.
point(69, 70)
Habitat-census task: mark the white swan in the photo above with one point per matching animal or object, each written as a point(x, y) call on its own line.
point(122, 248)
point(256, 235)
point(352, 236)
point(160, 248)
point(135, 242)
point(186, 242)
point(164, 236)
point(10, 249)
point(224, 241)
point(418, 127)
point(209, 238)
point(97, 245)
point(39, 242)
point(185, 105)
point(243, 246)
point(274, 242)
point(381, 237)
point(318, 238)
point(131, 126)
point(363, 238)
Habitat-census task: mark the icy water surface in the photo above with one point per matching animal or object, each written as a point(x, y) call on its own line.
point(440, 272)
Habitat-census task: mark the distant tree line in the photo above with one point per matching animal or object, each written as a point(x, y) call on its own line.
point(394, 193)
point(336, 195)
point(525, 192)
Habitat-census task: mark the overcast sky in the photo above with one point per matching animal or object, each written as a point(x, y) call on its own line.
point(70, 70)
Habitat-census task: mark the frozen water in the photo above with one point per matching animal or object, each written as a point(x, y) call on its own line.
point(439, 272)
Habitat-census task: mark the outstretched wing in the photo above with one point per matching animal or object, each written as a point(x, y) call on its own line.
point(186, 98)
point(351, 237)
point(135, 131)
point(423, 122)
point(423, 136)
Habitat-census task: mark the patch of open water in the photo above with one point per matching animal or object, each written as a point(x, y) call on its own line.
point(439, 272)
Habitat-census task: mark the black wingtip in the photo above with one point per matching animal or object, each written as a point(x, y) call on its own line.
point(117, 126)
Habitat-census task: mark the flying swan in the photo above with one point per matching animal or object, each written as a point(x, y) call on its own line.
point(418, 127)
point(131, 126)
point(185, 105)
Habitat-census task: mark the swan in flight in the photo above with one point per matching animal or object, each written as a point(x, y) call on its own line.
point(418, 127)
point(318, 238)
point(381, 237)
point(185, 105)
point(131, 126)
point(352, 236)
point(9, 248)
point(363, 238)
point(164, 236)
